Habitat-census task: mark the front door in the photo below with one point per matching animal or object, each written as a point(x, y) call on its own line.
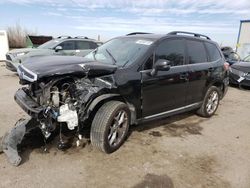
point(68, 48)
point(167, 89)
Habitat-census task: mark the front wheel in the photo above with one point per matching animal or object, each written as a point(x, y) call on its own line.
point(210, 103)
point(110, 126)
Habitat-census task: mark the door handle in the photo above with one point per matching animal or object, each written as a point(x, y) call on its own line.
point(184, 76)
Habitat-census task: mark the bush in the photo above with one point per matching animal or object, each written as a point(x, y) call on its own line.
point(17, 36)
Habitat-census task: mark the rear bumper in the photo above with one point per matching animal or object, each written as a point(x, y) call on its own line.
point(30, 106)
point(226, 83)
point(225, 86)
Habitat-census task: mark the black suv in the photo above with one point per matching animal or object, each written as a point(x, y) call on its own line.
point(127, 80)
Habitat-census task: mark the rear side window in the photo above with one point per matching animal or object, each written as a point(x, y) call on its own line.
point(82, 45)
point(172, 50)
point(196, 52)
point(213, 51)
point(93, 45)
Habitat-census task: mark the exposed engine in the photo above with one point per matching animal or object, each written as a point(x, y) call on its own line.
point(63, 102)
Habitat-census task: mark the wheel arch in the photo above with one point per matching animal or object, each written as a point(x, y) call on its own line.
point(219, 84)
point(100, 100)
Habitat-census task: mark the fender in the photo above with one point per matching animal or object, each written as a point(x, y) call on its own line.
point(100, 98)
point(218, 83)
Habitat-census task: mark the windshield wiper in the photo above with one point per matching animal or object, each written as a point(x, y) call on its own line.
point(112, 57)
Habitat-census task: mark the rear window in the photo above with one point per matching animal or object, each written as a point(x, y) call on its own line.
point(213, 51)
point(196, 52)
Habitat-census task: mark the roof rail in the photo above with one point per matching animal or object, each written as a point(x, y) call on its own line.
point(64, 36)
point(81, 37)
point(188, 33)
point(137, 33)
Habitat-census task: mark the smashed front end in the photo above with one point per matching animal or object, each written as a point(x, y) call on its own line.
point(54, 103)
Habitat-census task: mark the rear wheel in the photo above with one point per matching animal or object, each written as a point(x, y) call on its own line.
point(110, 126)
point(210, 103)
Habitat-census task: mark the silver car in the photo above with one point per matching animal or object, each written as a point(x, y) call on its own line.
point(78, 46)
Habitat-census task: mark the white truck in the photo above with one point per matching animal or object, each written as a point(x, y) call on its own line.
point(4, 45)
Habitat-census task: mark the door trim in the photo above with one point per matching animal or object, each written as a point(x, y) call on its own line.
point(172, 111)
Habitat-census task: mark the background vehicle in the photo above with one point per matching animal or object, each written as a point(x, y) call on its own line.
point(230, 55)
point(247, 59)
point(127, 80)
point(64, 45)
point(239, 73)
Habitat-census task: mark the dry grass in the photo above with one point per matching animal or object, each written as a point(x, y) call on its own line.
point(17, 36)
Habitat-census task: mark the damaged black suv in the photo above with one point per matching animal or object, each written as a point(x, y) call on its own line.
point(127, 80)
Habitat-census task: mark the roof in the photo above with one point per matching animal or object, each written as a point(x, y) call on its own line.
point(242, 21)
point(155, 37)
point(150, 36)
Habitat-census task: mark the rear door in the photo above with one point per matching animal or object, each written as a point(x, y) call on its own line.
point(84, 47)
point(200, 69)
point(167, 89)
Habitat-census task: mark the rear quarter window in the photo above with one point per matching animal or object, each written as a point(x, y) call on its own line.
point(93, 45)
point(196, 52)
point(213, 51)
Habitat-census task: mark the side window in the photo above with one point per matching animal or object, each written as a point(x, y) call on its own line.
point(149, 63)
point(93, 45)
point(196, 52)
point(82, 45)
point(213, 51)
point(172, 50)
point(68, 45)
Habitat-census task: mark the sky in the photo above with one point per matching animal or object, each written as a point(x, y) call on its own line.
point(219, 19)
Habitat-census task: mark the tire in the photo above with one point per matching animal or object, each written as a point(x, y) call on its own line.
point(110, 126)
point(210, 102)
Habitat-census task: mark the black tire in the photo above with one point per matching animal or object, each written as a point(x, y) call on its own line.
point(204, 110)
point(105, 125)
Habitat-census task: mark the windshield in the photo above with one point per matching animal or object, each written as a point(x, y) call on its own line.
point(49, 45)
point(120, 51)
point(247, 59)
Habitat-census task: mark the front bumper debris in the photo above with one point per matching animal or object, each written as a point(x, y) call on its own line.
point(12, 139)
point(30, 106)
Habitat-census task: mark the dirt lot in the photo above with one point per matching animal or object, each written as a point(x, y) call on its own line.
point(182, 151)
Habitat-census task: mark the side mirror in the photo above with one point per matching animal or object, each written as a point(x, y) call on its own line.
point(160, 65)
point(58, 48)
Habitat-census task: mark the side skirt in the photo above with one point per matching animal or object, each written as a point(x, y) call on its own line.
point(171, 112)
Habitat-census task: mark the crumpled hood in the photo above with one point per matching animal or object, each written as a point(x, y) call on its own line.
point(47, 66)
point(242, 66)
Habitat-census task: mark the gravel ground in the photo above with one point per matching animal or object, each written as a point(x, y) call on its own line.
point(182, 151)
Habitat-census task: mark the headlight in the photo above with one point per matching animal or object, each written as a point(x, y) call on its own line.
point(20, 54)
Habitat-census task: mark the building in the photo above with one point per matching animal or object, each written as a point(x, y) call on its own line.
point(243, 42)
point(4, 45)
point(35, 41)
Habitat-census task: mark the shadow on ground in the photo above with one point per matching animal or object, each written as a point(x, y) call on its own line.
point(155, 181)
point(176, 126)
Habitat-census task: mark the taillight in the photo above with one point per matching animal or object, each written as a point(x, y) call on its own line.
point(226, 66)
